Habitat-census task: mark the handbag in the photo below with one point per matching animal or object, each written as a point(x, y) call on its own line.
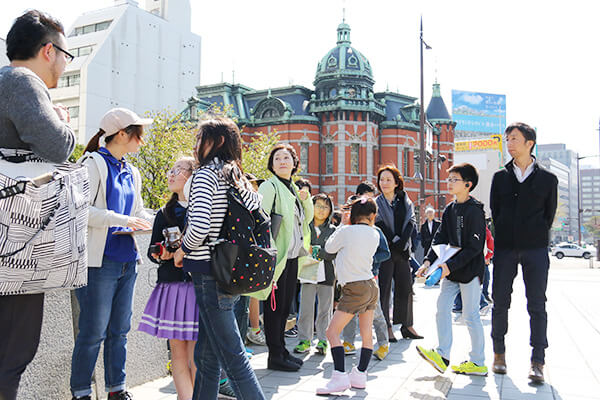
point(43, 226)
point(276, 219)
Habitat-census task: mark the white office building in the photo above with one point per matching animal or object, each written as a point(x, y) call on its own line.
point(590, 199)
point(145, 59)
point(3, 59)
point(561, 229)
point(560, 153)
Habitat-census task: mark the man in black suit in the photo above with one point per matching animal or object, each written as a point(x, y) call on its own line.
point(523, 201)
point(428, 229)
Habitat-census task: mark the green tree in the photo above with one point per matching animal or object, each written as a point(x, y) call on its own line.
point(77, 153)
point(255, 154)
point(167, 139)
point(592, 226)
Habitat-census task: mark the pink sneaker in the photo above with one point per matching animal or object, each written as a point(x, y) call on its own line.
point(358, 379)
point(339, 382)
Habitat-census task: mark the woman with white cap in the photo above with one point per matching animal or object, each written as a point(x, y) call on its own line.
point(116, 206)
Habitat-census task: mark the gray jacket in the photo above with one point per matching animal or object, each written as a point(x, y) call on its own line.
point(27, 117)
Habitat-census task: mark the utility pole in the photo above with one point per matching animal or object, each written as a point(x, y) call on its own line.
point(422, 129)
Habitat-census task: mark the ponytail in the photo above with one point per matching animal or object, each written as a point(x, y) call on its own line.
point(94, 143)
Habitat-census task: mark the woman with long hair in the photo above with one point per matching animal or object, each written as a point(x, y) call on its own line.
point(172, 311)
point(218, 152)
point(396, 218)
point(282, 196)
point(116, 207)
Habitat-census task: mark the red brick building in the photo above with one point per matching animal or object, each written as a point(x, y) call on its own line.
point(342, 130)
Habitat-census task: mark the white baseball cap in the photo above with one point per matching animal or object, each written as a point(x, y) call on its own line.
point(117, 119)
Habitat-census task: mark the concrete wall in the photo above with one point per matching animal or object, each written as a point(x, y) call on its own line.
point(47, 377)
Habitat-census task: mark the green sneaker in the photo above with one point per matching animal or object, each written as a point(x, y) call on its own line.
point(470, 368)
point(433, 358)
point(302, 347)
point(322, 347)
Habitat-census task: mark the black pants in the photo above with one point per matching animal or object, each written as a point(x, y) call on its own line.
point(21, 323)
point(397, 268)
point(534, 264)
point(274, 321)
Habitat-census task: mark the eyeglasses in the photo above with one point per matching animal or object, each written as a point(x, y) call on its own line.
point(70, 57)
point(454, 180)
point(321, 207)
point(176, 171)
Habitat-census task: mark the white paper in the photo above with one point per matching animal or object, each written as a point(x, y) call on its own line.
point(444, 253)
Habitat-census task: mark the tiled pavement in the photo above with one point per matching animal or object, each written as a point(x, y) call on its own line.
point(572, 367)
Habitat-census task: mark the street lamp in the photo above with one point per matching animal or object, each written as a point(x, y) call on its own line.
point(422, 127)
point(579, 195)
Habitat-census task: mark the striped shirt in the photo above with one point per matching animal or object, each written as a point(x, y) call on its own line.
point(207, 208)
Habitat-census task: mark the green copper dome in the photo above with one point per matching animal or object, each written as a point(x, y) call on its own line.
point(343, 60)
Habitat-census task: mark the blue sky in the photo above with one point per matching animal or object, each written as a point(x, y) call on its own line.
point(543, 55)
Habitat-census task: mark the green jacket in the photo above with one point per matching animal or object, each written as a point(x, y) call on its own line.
point(284, 205)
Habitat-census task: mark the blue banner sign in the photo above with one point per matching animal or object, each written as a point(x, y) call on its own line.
point(479, 112)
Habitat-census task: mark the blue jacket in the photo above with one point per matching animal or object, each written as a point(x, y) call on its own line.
point(382, 253)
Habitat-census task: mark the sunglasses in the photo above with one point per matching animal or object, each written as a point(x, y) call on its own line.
point(70, 57)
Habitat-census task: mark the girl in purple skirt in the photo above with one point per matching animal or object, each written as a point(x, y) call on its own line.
point(172, 311)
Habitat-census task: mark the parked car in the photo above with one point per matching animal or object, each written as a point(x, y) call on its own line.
point(572, 250)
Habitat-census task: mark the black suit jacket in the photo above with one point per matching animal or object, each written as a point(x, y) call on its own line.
point(426, 236)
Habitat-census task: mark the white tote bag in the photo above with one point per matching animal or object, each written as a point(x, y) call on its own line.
point(43, 225)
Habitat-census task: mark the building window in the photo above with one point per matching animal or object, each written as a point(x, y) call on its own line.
point(74, 112)
point(329, 159)
point(68, 80)
point(405, 166)
point(304, 157)
point(354, 158)
point(417, 164)
point(81, 51)
point(85, 29)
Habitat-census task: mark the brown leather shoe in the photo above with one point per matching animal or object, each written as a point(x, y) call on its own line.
point(499, 364)
point(536, 373)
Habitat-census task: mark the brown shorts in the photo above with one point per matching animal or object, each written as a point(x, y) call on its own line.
point(359, 296)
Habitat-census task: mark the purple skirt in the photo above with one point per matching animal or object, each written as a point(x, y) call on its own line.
point(171, 312)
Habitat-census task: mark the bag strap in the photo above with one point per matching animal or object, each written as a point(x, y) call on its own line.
point(20, 158)
point(10, 191)
point(274, 198)
point(45, 224)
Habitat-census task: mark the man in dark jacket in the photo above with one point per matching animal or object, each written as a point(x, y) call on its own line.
point(428, 229)
point(320, 285)
point(523, 202)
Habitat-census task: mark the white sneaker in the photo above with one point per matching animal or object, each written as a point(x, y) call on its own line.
point(256, 338)
point(339, 382)
point(358, 380)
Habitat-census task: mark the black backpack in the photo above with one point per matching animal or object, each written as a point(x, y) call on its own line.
point(242, 260)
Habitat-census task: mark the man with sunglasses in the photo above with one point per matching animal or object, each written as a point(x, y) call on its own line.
point(29, 122)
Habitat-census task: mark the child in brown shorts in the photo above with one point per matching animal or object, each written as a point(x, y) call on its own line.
point(355, 245)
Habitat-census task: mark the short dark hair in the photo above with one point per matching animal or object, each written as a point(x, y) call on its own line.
point(304, 183)
point(290, 149)
point(467, 172)
point(527, 131)
point(397, 177)
point(323, 197)
point(29, 33)
point(365, 187)
point(362, 207)
point(336, 217)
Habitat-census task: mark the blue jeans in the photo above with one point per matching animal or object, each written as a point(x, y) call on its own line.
point(458, 302)
point(470, 294)
point(105, 316)
point(220, 345)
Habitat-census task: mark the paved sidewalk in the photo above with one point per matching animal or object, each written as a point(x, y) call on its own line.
point(572, 369)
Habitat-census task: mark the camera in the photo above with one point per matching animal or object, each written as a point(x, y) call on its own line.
point(171, 243)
